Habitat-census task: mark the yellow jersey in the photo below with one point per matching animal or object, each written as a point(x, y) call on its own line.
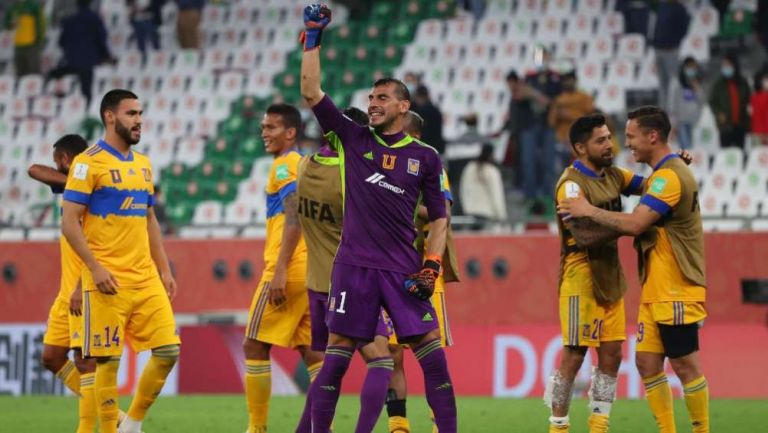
point(665, 280)
point(117, 191)
point(71, 269)
point(576, 262)
point(282, 183)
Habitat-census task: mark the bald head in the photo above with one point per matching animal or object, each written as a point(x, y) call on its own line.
point(413, 124)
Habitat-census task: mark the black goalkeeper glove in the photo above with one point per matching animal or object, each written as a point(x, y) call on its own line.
point(422, 284)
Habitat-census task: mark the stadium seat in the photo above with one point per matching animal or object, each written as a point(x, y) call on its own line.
point(254, 232)
point(43, 234)
point(611, 24)
point(621, 73)
point(428, 32)
point(31, 129)
point(187, 62)
point(722, 225)
point(192, 232)
point(559, 8)
point(711, 203)
point(592, 8)
point(599, 48)
point(590, 75)
point(202, 85)
point(696, 46)
point(214, 16)
point(579, 28)
point(648, 77)
point(700, 164)
point(190, 151)
point(459, 31)
point(161, 152)
point(244, 60)
point(520, 29)
point(567, 48)
point(61, 86)
point(549, 30)
point(203, 127)
point(611, 99)
point(207, 213)
point(490, 29)
point(215, 60)
point(705, 21)
point(631, 46)
point(757, 160)
point(45, 107)
point(30, 86)
point(729, 162)
point(18, 108)
point(719, 182)
point(10, 234)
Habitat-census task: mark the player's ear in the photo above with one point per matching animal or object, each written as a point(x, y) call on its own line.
point(405, 105)
point(291, 133)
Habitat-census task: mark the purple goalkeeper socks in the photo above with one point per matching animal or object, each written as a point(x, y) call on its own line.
point(305, 423)
point(374, 393)
point(327, 386)
point(437, 384)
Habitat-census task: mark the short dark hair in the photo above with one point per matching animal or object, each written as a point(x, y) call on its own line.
point(414, 121)
point(401, 90)
point(290, 115)
point(652, 117)
point(112, 99)
point(512, 75)
point(71, 144)
point(582, 128)
point(357, 115)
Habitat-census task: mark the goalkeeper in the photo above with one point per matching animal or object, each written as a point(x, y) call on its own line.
point(387, 174)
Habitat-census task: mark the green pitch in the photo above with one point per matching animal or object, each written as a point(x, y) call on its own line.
point(199, 414)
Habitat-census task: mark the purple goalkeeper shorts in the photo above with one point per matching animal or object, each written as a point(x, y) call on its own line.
point(358, 294)
point(318, 306)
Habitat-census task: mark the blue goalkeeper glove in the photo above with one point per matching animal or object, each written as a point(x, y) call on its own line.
point(316, 18)
point(422, 284)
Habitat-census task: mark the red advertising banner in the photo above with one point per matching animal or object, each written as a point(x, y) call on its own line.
point(501, 361)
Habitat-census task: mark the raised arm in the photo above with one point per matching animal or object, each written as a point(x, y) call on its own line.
point(316, 18)
point(48, 175)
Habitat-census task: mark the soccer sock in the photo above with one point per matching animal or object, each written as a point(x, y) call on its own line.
point(432, 418)
point(559, 424)
point(151, 382)
point(70, 377)
point(374, 392)
point(437, 384)
point(696, 395)
point(659, 395)
point(105, 390)
point(397, 422)
point(258, 389)
point(602, 392)
point(87, 403)
point(327, 386)
point(305, 423)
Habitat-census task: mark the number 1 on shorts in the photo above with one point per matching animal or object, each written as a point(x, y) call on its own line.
point(343, 300)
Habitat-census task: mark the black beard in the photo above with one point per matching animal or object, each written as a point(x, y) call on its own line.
point(600, 163)
point(125, 133)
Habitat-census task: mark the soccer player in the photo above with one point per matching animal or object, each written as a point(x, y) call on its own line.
point(670, 244)
point(386, 173)
point(279, 313)
point(397, 392)
point(126, 279)
point(321, 216)
point(592, 283)
point(64, 331)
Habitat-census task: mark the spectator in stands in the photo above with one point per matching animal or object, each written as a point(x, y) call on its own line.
point(686, 100)
point(27, 19)
point(162, 215)
point(761, 26)
point(511, 121)
point(482, 190)
point(83, 40)
point(637, 14)
point(188, 23)
point(146, 16)
point(433, 118)
point(672, 22)
point(537, 139)
point(476, 7)
point(729, 101)
point(759, 104)
point(411, 81)
point(566, 108)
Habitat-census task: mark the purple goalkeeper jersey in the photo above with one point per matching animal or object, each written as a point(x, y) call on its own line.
point(385, 178)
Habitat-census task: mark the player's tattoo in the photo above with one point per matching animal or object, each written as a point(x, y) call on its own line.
point(291, 207)
point(588, 233)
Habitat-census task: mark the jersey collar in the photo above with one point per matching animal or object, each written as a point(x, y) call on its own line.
point(404, 141)
point(578, 165)
point(665, 159)
point(325, 160)
point(104, 145)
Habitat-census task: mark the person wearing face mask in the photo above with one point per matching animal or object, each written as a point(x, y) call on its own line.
point(759, 104)
point(686, 99)
point(729, 100)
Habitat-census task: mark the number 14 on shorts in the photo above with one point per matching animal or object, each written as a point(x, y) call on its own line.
point(110, 337)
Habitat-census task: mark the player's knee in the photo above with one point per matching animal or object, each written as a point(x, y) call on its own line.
point(685, 368)
point(609, 360)
point(648, 366)
point(167, 354)
point(84, 365)
point(254, 349)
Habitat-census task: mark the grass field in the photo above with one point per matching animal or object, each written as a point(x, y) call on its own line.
point(198, 414)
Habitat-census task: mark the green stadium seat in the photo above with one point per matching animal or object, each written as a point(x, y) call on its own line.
point(413, 11)
point(401, 33)
point(441, 8)
point(737, 23)
point(250, 148)
point(219, 148)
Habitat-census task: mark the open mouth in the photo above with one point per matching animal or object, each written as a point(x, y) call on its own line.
point(375, 114)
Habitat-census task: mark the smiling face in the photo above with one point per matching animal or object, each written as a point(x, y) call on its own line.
point(639, 141)
point(275, 135)
point(385, 110)
point(598, 150)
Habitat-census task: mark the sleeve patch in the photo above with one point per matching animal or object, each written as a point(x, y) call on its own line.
point(658, 185)
point(81, 171)
point(572, 190)
point(282, 172)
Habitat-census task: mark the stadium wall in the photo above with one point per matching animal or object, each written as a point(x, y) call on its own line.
point(503, 317)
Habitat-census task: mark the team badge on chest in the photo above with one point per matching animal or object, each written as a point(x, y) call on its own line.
point(388, 162)
point(413, 166)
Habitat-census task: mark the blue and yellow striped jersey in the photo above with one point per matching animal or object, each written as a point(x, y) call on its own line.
point(117, 192)
point(281, 183)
